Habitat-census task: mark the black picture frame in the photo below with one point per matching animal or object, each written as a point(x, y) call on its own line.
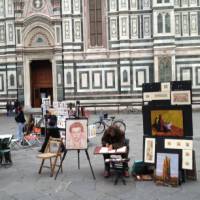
point(151, 87)
point(181, 85)
point(154, 87)
point(187, 119)
point(144, 150)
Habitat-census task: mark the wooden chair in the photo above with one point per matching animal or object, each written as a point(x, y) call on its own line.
point(52, 151)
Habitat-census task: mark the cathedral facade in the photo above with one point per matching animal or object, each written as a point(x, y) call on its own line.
point(96, 50)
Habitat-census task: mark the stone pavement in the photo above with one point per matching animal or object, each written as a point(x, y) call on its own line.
point(22, 182)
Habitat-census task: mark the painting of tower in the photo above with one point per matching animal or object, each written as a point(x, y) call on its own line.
point(167, 169)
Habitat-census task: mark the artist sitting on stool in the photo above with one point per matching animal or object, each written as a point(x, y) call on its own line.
point(52, 131)
point(114, 138)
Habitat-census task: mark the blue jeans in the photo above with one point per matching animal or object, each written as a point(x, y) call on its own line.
point(20, 134)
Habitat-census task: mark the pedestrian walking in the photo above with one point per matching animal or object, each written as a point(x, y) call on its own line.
point(16, 106)
point(8, 108)
point(20, 119)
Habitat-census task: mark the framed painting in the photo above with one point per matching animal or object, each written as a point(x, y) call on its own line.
point(147, 96)
point(55, 104)
point(167, 168)
point(187, 159)
point(92, 132)
point(46, 101)
point(167, 123)
point(160, 95)
point(61, 121)
point(149, 150)
point(181, 97)
point(178, 144)
point(176, 121)
point(165, 87)
point(76, 134)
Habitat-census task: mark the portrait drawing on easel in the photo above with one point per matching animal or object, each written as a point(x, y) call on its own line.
point(76, 134)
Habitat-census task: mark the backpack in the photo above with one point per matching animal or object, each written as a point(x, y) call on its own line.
point(139, 167)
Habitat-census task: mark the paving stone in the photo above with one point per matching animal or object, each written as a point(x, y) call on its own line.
point(22, 181)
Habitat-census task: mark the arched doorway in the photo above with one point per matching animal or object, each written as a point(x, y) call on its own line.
point(41, 81)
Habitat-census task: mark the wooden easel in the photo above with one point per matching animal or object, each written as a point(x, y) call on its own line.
point(78, 151)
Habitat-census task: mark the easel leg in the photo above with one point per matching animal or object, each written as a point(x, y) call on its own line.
point(88, 157)
point(40, 170)
point(78, 158)
point(61, 163)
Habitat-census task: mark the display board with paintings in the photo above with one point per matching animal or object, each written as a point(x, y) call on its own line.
point(168, 131)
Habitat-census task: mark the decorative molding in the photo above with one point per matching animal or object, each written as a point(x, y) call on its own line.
point(84, 82)
point(124, 27)
point(76, 6)
point(113, 29)
point(123, 5)
point(133, 4)
point(12, 74)
point(77, 30)
point(125, 76)
point(67, 30)
point(113, 5)
point(194, 23)
point(97, 79)
point(37, 33)
point(185, 24)
point(2, 82)
point(2, 8)
point(38, 4)
point(146, 4)
point(39, 39)
point(66, 6)
point(178, 24)
point(134, 27)
point(68, 73)
point(110, 79)
point(147, 26)
point(140, 76)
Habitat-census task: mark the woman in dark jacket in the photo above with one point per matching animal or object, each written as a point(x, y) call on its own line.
point(52, 131)
point(20, 124)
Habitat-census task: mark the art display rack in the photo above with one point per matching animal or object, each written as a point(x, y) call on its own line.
point(168, 130)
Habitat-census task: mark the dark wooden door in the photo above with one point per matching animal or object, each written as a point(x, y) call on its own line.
point(41, 80)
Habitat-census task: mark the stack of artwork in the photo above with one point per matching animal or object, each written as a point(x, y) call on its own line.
point(168, 132)
point(60, 108)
